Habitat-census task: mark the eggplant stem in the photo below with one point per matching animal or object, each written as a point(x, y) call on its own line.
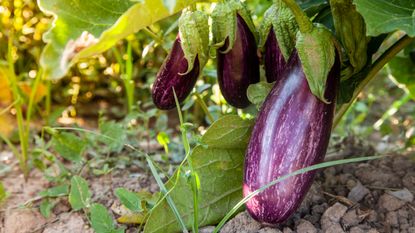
point(376, 67)
point(304, 23)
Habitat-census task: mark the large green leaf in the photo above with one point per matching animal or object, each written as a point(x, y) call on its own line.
point(84, 28)
point(403, 71)
point(383, 16)
point(219, 165)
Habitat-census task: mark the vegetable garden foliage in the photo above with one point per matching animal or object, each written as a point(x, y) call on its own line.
point(356, 28)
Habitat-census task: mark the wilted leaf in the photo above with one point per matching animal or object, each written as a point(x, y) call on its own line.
point(383, 16)
point(132, 218)
point(219, 165)
point(27, 90)
point(79, 196)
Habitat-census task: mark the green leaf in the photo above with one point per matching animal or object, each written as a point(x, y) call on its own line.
point(219, 165)
point(3, 193)
point(46, 208)
point(69, 146)
point(85, 28)
point(403, 71)
point(56, 191)
point(317, 54)
point(79, 196)
point(101, 220)
point(384, 16)
point(258, 92)
point(114, 135)
point(129, 199)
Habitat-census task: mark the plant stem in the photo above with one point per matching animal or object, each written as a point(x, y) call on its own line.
point(202, 104)
point(48, 98)
point(304, 23)
point(153, 35)
point(128, 82)
point(31, 101)
point(194, 179)
point(376, 67)
point(18, 106)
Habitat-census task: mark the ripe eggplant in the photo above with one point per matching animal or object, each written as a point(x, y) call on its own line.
point(278, 35)
point(185, 62)
point(274, 61)
point(292, 131)
point(173, 74)
point(238, 67)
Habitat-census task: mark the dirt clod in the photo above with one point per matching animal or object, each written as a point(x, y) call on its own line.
point(242, 223)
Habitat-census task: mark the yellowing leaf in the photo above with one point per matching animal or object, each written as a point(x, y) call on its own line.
point(27, 90)
point(132, 218)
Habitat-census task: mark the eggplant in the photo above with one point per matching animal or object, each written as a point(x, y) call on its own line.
point(185, 62)
point(274, 61)
point(173, 75)
point(238, 67)
point(291, 132)
point(278, 36)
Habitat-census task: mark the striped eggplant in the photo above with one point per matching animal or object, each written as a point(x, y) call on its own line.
point(277, 31)
point(184, 63)
point(292, 131)
point(171, 76)
point(237, 59)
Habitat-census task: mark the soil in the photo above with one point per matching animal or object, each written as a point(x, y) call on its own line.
point(375, 196)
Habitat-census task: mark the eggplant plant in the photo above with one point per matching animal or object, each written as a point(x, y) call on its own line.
point(234, 37)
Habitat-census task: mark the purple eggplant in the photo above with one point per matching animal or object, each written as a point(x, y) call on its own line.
point(238, 67)
point(274, 60)
point(292, 132)
point(278, 35)
point(173, 74)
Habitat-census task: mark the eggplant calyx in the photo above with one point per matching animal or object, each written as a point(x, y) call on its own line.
point(224, 24)
point(317, 52)
point(194, 36)
point(280, 19)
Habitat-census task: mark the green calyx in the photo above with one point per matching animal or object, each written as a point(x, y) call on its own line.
point(194, 36)
point(224, 23)
point(317, 52)
point(351, 30)
point(316, 47)
point(280, 19)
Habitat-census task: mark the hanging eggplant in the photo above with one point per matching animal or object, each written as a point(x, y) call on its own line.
point(184, 64)
point(234, 36)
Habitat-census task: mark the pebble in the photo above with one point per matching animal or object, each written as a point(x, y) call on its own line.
point(269, 230)
point(305, 226)
point(358, 192)
point(390, 203)
point(403, 195)
point(242, 223)
point(351, 218)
